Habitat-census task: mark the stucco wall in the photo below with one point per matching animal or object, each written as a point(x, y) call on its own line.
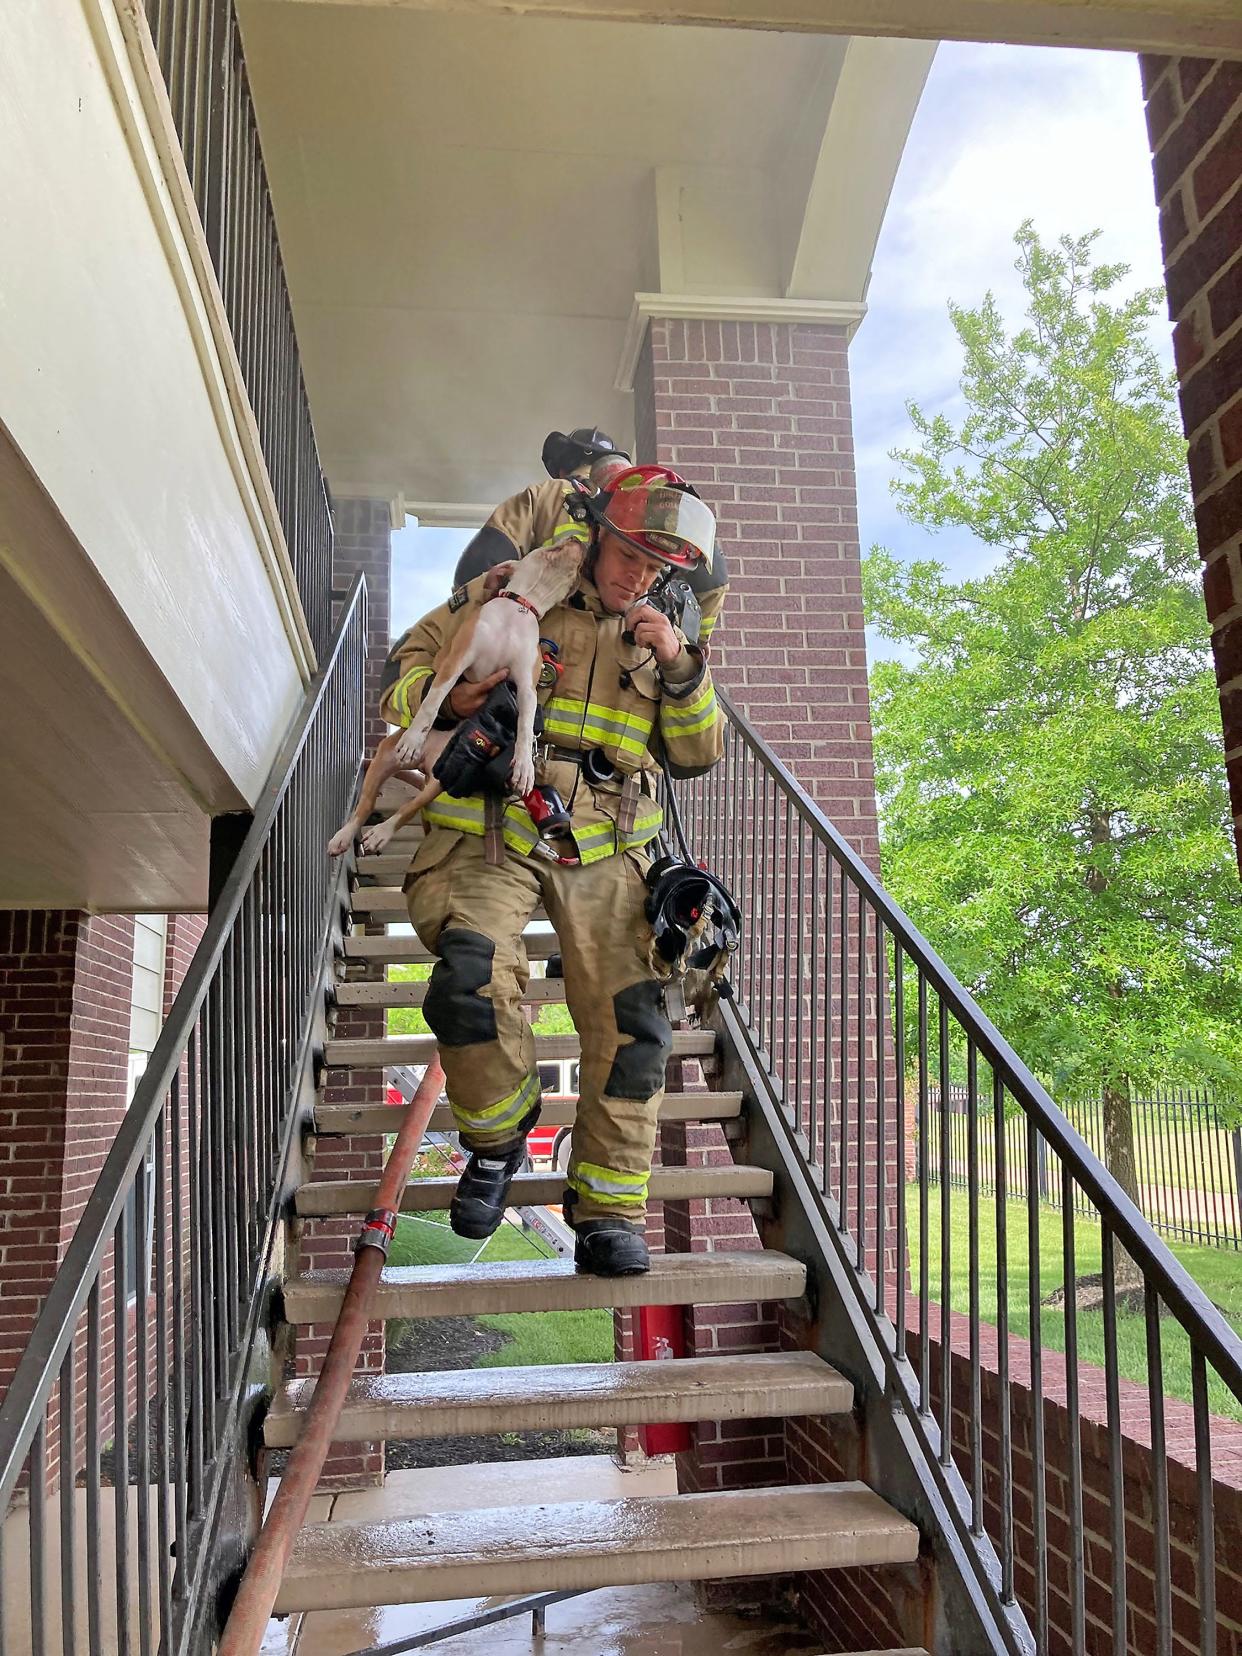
point(105, 388)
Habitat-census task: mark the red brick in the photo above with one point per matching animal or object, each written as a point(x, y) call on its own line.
point(1219, 170)
point(1225, 299)
point(1211, 250)
point(1212, 385)
point(1230, 428)
point(1218, 93)
point(1219, 515)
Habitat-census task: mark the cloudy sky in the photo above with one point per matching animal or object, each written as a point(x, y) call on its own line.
point(1002, 134)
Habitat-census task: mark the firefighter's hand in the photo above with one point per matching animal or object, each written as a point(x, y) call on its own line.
point(496, 577)
point(653, 631)
point(468, 695)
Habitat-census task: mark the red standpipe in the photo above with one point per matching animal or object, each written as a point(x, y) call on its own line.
point(252, 1608)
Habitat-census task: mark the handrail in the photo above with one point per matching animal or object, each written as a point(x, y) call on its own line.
point(838, 1002)
point(1176, 1286)
point(39, 1367)
point(166, 1274)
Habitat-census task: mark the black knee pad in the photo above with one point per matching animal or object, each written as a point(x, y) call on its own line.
point(638, 1069)
point(454, 1009)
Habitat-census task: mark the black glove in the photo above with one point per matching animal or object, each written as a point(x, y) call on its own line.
point(479, 755)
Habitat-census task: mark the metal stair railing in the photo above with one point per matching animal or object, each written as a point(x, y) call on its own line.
point(840, 1005)
point(150, 1355)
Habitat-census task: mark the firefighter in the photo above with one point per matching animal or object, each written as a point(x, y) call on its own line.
point(536, 515)
point(629, 688)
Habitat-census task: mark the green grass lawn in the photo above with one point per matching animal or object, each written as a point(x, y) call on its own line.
point(535, 1336)
point(1217, 1270)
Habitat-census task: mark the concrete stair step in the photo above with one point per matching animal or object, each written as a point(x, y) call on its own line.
point(388, 865)
point(419, 1049)
point(551, 1285)
point(589, 1544)
point(539, 992)
point(387, 902)
point(408, 951)
point(579, 1395)
point(339, 1120)
point(332, 1197)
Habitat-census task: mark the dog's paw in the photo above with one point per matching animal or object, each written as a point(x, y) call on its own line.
point(341, 841)
point(377, 837)
point(522, 776)
point(410, 745)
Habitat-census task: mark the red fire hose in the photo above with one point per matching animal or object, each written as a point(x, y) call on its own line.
point(252, 1608)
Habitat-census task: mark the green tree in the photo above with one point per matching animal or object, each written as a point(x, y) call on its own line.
point(1050, 769)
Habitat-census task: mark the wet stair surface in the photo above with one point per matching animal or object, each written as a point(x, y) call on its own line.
point(577, 1545)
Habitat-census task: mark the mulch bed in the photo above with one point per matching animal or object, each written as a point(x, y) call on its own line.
point(430, 1345)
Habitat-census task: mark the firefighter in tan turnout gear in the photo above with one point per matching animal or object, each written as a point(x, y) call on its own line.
point(537, 515)
point(629, 688)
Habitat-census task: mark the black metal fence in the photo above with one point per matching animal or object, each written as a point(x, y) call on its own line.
point(198, 43)
point(124, 1429)
point(1187, 1160)
point(837, 997)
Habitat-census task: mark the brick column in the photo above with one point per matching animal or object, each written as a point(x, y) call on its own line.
point(65, 988)
point(362, 542)
point(1194, 120)
point(757, 415)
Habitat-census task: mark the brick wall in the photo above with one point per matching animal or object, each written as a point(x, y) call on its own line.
point(1097, 1499)
point(38, 964)
point(363, 544)
point(1194, 119)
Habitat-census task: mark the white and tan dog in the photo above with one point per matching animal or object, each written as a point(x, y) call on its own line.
point(501, 635)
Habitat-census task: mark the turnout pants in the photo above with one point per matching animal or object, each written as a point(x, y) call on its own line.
point(470, 914)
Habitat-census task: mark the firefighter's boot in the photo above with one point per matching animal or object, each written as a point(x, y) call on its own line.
point(610, 1248)
point(482, 1193)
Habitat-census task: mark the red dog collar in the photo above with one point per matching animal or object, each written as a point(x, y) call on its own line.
point(516, 597)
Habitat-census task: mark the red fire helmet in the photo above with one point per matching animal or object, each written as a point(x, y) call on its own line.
point(655, 510)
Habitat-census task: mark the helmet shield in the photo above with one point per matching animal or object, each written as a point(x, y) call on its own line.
point(661, 518)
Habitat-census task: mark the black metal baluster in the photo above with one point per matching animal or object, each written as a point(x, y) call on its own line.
point(843, 1115)
point(1116, 1448)
point(924, 1207)
point(68, 1431)
point(94, 1526)
point(1005, 1425)
point(946, 1249)
point(881, 1107)
point(1159, 1475)
point(142, 1419)
point(1206, 1504)
point(860, 1088)
point(976, 1367)
point(1039, 1502)
point(901, 1193)
point(166, 1486)
point(120, 1430)
point(38, 1539)
point(1077, 1558)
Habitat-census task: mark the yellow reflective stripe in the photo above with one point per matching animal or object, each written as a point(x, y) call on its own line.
point(707, 626)
point(682, 712)
point(606, 1184)
point(596, 722)
point(600, 712)
point(448, 811)
point(596, 840)
point(504, 1113)
point(465, 814)
point(705, 723)
point(402, 688)
point(688, 718)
